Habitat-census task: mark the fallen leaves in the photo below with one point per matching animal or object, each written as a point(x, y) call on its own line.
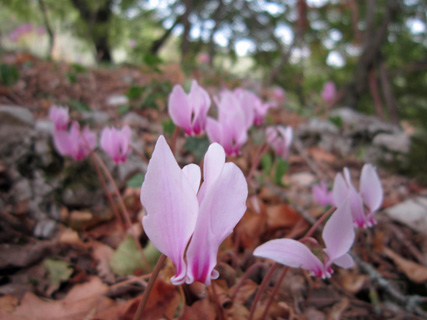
point(414, 271)
point(83, 301)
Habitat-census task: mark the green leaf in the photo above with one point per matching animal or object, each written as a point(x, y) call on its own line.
point(123, 109)
point(78, 105)
point(127, 258)
point(58, 271)
point(136, 181)
point(267, 163)
point(72, 77)
point(150, 102)
point(197, 146)
point(78, 68)
point(337, 121)
point(168, 126)
point(152, 60)
point(9, 74)
point(281, 168)
point(135, 92)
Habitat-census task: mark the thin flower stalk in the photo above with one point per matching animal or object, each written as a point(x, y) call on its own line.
point(158, 267)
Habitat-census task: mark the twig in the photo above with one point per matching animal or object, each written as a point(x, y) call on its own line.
point(144, 300)
point(409, 301)
point(312, 164)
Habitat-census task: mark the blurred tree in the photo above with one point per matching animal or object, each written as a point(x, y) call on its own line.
point(97, 16)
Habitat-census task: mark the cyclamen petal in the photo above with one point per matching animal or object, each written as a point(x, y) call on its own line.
point(280, 139)
point(116, 143)
point(75, 143)
point(291, 253)
point(171, 205)
point(370, 187)
point(189, 111)
point(370, 195)
point(221, 209)
point(338, 232)
point(338, 236)
point(177, 210)
point(329, 92)
point(59, 116)
point(322, 195)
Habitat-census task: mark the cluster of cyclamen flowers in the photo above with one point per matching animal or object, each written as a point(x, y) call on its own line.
point(338, 234)
point(70, 140)
point(24, 29)
point(238, 111)
point(187, 221)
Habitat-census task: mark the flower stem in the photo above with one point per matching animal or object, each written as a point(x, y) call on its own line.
point(174, 138)
point(139, 153)
point(275, 289)
point(104, 185)
point(319, 222)
point(244, 277)
point(216, 300)
point(122, 207)
point(257, 159)
point(147, 291)
point(261, 289)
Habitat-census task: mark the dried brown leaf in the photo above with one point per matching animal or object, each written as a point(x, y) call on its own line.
point(412, 270)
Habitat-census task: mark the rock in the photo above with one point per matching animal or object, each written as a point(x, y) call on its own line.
point(44, 126)
point(45, 229)
point(318, 126)
point(96, 117)
point(15, 116)
point(399, 142)
point(303, 179)
point(132, 166)
point(411, 212)
point(21, 190)
point(80, 196)
point(117, 100)
point(135, 120)
point(358, 122)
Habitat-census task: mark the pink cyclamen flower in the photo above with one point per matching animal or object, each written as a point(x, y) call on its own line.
point(59, 116)
point(278, 94)
point(203, 58)
point(116, 143)
point(189, 111)
point(369, 197)
point(322, 195)
point(338, 236)
point(230, 130)
point(252, 105)
point(329, 92)
point(280, 139)
point(178, 210)
point(74, 143)
point(132, 43)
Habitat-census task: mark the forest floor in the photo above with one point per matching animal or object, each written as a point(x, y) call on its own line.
point(74, 260)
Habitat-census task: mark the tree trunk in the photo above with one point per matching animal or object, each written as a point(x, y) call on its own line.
point(371, 52)
point(49, 29)
point(185, 44)
point(98, 25)
point(156, 46)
